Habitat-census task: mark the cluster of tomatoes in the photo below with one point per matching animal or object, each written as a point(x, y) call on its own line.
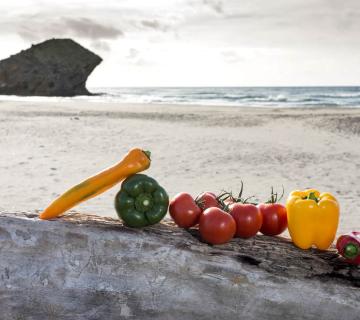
point(220, 218)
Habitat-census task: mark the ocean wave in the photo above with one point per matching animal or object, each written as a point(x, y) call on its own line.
point(277, 98)
point(251, 96)
point(338, 96)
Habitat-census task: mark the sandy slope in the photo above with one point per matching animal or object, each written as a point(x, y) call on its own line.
point(47, 147)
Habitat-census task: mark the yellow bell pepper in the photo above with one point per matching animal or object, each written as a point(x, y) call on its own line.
point(312, 218)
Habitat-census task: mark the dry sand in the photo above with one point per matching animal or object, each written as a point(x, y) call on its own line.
point(48, 147)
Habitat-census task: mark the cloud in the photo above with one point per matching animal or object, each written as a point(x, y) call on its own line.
point(136, 58)
point(83, 28)
point(133, 53)
point(208, 23)
point(27, 34)
point(100, 45)
point(90, 29)
point(155, 25)
point(215, 5)
point(231, 56)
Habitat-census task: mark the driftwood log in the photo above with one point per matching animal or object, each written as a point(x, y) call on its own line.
point(89, 267)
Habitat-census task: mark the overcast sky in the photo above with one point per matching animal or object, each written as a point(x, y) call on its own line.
point(198, 42)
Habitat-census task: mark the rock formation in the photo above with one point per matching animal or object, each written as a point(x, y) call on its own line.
point(56, 67)
point(89, 267)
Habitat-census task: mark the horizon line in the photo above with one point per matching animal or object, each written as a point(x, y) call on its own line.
point(257, 86)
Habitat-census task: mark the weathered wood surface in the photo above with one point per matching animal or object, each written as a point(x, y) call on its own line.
point(88, 267)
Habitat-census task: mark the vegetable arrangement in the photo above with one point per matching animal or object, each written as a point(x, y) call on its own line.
point(222, 217)
point(311, 217)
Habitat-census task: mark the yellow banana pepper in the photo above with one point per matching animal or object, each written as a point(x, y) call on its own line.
point(135, 161)
point(312, 218)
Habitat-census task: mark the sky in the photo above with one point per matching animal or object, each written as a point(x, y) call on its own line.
point(198, 42)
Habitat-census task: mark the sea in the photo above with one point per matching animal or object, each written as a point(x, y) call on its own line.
point(273, 97)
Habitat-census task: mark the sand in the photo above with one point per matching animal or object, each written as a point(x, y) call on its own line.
point(46, 147)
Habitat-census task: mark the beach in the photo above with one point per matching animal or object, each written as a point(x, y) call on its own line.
point(47, 147)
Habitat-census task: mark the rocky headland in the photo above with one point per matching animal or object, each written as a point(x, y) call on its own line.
point(56, 67)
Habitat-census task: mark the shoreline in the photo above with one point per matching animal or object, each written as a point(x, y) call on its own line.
point(49, 146)
point(83, 102)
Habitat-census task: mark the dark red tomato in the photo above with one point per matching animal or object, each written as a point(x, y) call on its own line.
point(274, 218)
point(216, 226)
point(207, 200)
point(248, 219)
point(184, 210)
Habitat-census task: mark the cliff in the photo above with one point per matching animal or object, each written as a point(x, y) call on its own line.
point(56, 67)
point(88, 267)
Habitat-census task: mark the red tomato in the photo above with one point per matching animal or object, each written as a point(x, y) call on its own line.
point(274, 218)
point(184, 210)
point(216, 226)
point(207, 200)
point(248, 219)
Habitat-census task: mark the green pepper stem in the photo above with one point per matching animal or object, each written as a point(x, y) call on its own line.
point(147, 153)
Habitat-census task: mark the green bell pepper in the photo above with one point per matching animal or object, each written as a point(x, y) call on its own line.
point(141, 201)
